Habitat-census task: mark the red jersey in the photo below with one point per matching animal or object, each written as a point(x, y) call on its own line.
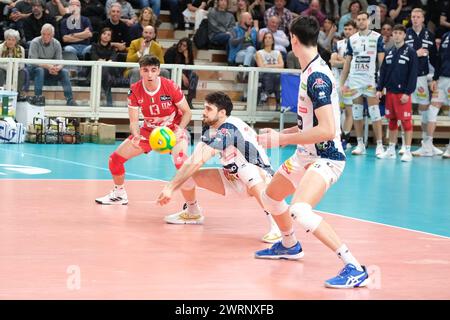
point(157, 107)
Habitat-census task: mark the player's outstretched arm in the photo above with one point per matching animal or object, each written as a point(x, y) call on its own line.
point(201, 154)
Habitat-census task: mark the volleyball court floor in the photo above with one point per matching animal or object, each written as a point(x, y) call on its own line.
point(57, 243)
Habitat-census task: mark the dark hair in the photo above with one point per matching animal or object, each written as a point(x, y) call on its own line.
point(221, 100)
point(264, 38)
point(101, 32)
point(399, 27)
point(331, 19)
point(149, 60)
point(352, 3)
point(350, 23)
point(364, 13)
point(181, 60)
point(306, 29)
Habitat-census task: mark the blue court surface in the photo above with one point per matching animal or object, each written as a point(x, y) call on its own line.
point(411, 195)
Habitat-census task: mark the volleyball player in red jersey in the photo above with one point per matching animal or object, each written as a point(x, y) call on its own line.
point(162, 103)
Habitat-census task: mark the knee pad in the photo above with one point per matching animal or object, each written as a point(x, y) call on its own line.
point(116, 162)
point(189, 184)
point(374, 112)
point(424, 115)
point(358, 112)
point(393, 124)
point(273, 206)
point(303, 214)
point(407, 125)
point(180, 159)
point(432, 113)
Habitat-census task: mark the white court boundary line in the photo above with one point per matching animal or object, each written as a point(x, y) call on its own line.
point(161, 180)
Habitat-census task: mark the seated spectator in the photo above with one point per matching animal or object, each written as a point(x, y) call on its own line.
point(120, 38)
point(103, 51)
point(284, 14)
point(281, 39)
point(76, 31)
point(146, 18)
point(330, 8)
point(17, 12)
point(345, 6)
point(292, 61)
point(386, 32)
point(268, 57)
point(194, 13)
point(243, 42)
point(384, 18)
point(400, 11)
point(33, 24)
point(326, 35)
point(176, 18)
point(314, 11)
point(257, 8)
point(297, 6)
point(95, 12)
point(142, 46)
point(10, 48)
point(154, 4)
point(57, 8)
point(128, 14)
point(354, 8)
point(182, 53)
point(220, 24)
point(47, 47)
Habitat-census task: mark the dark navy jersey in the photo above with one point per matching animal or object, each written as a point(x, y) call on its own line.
point(398, 72)
point(425, 39)
point(443, 63)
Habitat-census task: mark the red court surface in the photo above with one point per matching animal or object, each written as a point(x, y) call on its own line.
point(56, 243)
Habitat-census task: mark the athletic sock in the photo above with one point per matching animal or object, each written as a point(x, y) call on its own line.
point(288, 238)
point(193, 207)
point(346, 256)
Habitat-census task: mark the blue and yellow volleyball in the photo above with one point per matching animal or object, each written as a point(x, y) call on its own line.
point(162, 140)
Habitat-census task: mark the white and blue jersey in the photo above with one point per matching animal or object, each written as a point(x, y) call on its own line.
point(317, 89)
point(237, 143)
point(364, 50)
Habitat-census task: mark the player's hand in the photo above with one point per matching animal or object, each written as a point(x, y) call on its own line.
point(434, 86)
point(268, 138)
point(379, 95)
point(404, 98)
point(165, 196)
point(344, 89)
point(422, 52)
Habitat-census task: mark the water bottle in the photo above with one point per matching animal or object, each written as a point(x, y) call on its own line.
point(5, 103)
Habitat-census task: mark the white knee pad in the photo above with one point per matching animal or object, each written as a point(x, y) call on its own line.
point(433, 113)
point(189, 184)
point(273, 206)
point(303, 214)
point(374, 112)
point(424, 115)
point(358, 112)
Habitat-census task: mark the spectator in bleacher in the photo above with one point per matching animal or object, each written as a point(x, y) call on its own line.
point(120, 38)
point(142, 46)
point(386, 32)
point(76, 31)
point(354, 8)
point(269, 57)
point(384, 17)
point(127, 13)
point(243, 42)
point(154, 4)
point(245, 6)
point(220, 24)
point(314, 11)
point(284, 14)
point(10, 48)
point(326, 35)
point(57, 8)
point(297, 6)
point(292, 61)
point(281, 39)
point(94, 10)
point(400, 11)
point(182, 53)
point(47, 47)
point(195, 13)
point(17, 13)
point(146, 18)
point(33, 24)
point(103, 51)
point(345, 6)
point(176, 18)
point(444, 20)
point(330, 8)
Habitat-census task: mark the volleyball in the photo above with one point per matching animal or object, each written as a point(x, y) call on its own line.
point(162, 140)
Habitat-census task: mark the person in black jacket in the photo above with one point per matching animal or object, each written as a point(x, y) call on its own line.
point(398, 75)
point(182, 53)
point(33, 24)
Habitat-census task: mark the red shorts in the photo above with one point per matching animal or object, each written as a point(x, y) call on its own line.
point(396, 110)
point(145, 135)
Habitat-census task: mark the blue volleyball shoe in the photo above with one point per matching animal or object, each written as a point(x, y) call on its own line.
point(349, 277)
point(278, 251)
